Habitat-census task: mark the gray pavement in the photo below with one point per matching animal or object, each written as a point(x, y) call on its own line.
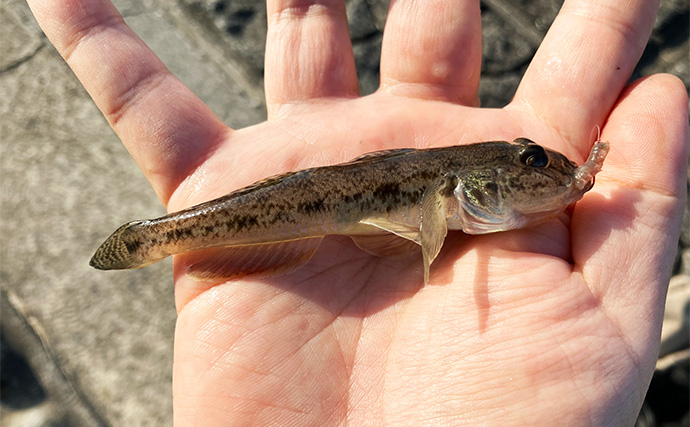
point(82, 347)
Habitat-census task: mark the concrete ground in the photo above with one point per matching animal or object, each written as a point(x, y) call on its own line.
point(83, 347)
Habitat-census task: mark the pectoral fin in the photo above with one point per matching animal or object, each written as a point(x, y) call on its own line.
point(385, 244)
point(405, 231)
point(433, 229)
point(430, 234)
point(268, 259)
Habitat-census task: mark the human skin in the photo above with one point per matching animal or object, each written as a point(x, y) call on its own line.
point(558, 323)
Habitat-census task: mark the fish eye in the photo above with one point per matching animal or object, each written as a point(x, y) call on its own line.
point(534, 155)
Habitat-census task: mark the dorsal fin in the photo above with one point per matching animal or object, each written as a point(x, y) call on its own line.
point(275, 179)
point(381, 155)
point(266, 182)
point(271, 180)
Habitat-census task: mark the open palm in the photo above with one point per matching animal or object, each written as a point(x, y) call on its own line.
point(559, 322)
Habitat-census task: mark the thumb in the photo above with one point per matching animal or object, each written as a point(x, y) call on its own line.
point(625, 233)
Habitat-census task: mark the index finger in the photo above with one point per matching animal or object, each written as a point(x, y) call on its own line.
point(584, 62)
point(165, 127)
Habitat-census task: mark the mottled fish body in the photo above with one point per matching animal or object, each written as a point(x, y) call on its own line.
point(389, 202)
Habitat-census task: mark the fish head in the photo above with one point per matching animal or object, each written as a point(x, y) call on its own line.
point(525, 185)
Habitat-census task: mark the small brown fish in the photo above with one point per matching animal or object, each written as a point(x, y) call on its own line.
point(389, 202)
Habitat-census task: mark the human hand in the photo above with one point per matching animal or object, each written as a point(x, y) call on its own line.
point(557, 323)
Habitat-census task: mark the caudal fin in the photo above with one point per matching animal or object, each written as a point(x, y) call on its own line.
point(122, 250)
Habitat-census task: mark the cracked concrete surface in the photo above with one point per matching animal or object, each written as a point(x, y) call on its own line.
point(99, 345)
point(21, 41)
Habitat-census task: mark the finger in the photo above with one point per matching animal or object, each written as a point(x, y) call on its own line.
point(308, 52)
point(584, 62)
point(165, 127)
point(625, 234)
point(432, 50)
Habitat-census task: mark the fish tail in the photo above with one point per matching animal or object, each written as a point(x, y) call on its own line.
point(122, 250)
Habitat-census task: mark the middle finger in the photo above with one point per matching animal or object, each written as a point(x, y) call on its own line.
point(308, 52)
point(433, 49)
